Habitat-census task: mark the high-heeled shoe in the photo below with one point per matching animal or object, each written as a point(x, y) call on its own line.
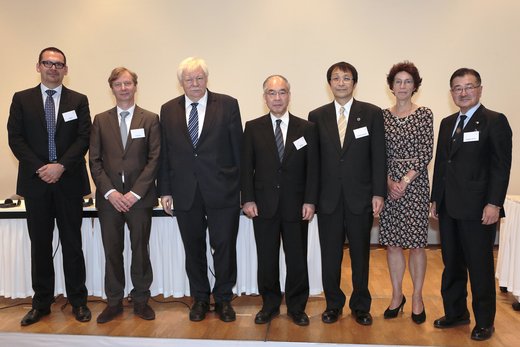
point(392, 313)
point(419, 318)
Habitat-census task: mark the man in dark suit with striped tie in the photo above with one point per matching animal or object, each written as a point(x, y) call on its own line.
point(49, 128)
point(279, 170)
point(199, 177)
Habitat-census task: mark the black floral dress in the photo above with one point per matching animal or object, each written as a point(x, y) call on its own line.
point(409, 146)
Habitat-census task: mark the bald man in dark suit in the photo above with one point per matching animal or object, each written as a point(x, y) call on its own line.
point(124, 156)
point(279, 170)
point(49, 129)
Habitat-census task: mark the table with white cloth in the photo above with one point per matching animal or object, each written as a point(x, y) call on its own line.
point(166, 253)
point(508, 262)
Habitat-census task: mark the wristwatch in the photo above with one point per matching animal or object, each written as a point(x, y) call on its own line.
point(406, 179)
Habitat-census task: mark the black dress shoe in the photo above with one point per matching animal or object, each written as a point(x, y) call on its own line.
point(331, 315)
point(516, 306)
point(392, 313)
point(481, 334)
point(444, 322)
point(362, 317)
point(198, 311)
point(109, 313)
point(82, 313)
point(225, 311)
point(299, 318)
point(264, 316)
point(34, 315)
point(144, 311)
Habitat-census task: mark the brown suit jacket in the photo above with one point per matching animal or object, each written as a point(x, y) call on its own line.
point(138, 161)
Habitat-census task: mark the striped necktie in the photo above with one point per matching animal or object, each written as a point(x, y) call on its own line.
point(279, 139)
point(193, 124)
point(342, 125)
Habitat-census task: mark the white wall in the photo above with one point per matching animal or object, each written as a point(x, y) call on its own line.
point(244, 41)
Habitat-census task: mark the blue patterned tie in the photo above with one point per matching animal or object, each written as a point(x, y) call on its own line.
point(50, 118)
point(193, 124)
point(279, 139)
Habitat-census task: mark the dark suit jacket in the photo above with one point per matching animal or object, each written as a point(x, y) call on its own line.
point(28, 140)
point(473, 174)
point(359, 168)
point(213, 165)
point(139, 160)
point(276, 186)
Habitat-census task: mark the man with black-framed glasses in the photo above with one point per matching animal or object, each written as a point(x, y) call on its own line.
point(470, 180)
point(49, 129)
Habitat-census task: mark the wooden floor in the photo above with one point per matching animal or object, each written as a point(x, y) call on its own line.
point(172, 317)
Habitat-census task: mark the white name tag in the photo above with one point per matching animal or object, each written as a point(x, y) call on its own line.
point(471, 136)
point(360, 132)
point(68, 116)
point(300, 143)
point(137, 133)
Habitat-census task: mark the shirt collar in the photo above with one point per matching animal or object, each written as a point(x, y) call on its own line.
point(284, 118)
point(202, 101)
point(44, 89)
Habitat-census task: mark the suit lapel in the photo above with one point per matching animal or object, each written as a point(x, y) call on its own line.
point(137, 122)
point(268, 135)
point(355, 119)
point(180, 118)
point(113, 123)
point(293, 132)
point(473, 124)
point(38, 100)
point(64, 105)
point(209, 118)
point(331, 125)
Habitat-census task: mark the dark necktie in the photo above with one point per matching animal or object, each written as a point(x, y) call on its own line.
point(123, 127)
point(457, 135)
point(193, 124)
point(50, 118)
point(279, 139)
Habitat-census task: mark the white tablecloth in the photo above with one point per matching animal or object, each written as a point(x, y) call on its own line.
point(508, 262)
point(167, 257)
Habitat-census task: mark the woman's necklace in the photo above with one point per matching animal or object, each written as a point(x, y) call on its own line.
point(404, 119)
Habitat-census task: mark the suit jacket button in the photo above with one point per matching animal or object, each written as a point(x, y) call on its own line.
point(278, 186)
point(195, 155)
point(449, 161)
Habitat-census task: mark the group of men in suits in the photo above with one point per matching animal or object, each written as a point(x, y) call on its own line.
point(282, 169)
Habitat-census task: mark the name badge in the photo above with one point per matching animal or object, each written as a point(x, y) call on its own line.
point(360, 132)
point(137, 133)
point(68, 116)
point(300, 143)
point(471, 136)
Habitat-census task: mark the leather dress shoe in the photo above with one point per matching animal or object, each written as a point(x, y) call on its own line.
point(82, 313)
point(144, 311)
point(444, 322)
point(109, 313)
point(198, 311)
point(481, 334)
point(331, 315)
point(264, 316)
point(299, 318)
point(362, 317)
point(34, 316)
point(225, 311)
point(516, 306)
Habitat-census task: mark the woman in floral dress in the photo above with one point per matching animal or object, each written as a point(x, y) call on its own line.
point(404, 220)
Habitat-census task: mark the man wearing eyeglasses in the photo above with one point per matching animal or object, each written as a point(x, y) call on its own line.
point(470, 180)
point(49, 129)
point(199, 178)
point(124, 169)
point(353, 187)
point(279, 171)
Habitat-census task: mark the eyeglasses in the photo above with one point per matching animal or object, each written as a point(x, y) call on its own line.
point(468, 89)
point(120, 84)
point(198, 79)
point(399, 82)
point(49, 64)
point(345, 79)
point(273, 93)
